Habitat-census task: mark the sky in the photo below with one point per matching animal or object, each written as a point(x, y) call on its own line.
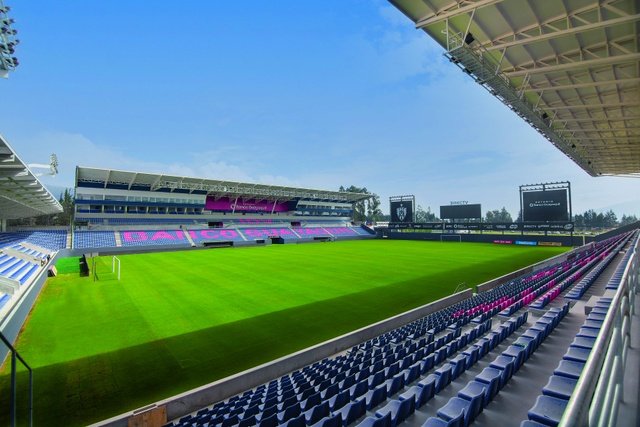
point(309, 94)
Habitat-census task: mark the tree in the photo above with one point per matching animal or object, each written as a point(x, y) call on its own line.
point(610, 219)
point(628, 219)
point(425, 216)
point(374, 213)
point(68, 206)
point(496, 215)
point(364, 210)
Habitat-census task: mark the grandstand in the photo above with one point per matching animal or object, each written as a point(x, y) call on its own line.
point(106, 197)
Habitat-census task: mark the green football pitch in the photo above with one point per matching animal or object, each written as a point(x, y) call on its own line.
point(178, 320)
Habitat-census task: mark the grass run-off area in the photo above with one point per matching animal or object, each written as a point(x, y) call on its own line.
point(178, 320)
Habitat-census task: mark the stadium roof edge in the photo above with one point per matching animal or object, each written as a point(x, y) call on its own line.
point(22, 195)
point(570, 69)
point(157, 181)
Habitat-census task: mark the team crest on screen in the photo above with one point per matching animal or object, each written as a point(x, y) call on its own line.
point(401, 211)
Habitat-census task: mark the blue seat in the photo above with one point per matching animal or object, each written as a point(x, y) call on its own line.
point(518, 354)
point(435, 422)
point(505, 364)
point(288, 402)
point(592, 324)
point(330, 391)
point(311, 401)
point(299, 421)
point(459, 365)
point(392, 369)
point(444, 376)
point(376, 422)
point(376, 380)
point(353, 411)
point(548, 410)
point(588, 333)
point(269, 421)
point(527, 344)
point(491, 377)
point(376, 396)
point(339, 400)
point(577, 354)
point(400, 410)
point(451, 411)
point(394, 384)
point(411, 374)
point(483, 347)
point(568, 368)
point(583, 342)
point(478, 394)
point(429, 384)
point(359, 389)
point(420, 395)
point(247, 422)
point(471, 355)
point(291, 411)
point(560, 387)
point(316, 413)
point(330, 421)
point(427, 363)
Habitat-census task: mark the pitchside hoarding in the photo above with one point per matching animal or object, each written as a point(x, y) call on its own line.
point(548, 205)
point(460, 211)
point(401, 211)
point(509, 226)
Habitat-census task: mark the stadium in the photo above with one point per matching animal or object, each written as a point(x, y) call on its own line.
point(178, 300)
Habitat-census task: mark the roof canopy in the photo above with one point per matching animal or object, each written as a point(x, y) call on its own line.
point(570, 68)
point(110, 178)
point(22, 195)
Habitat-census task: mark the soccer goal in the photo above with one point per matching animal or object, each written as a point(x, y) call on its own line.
point(451, 238)
point(102, 270)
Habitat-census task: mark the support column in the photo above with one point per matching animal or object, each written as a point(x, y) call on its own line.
point(3, 225)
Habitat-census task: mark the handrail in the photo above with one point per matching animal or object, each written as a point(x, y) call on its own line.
point(15, 355)
point(576, 413)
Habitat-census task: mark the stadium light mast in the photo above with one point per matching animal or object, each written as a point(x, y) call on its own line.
point(52, 166)
point(8, 42)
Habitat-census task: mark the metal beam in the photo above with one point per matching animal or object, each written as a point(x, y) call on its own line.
point(594, 120)
point(448, 13)
point(582, 85)
point(601, 138)
point(578, 64)
point(561, 33)
point(593, 106)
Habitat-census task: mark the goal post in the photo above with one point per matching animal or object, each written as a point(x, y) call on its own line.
point(105, 272)
point(115, 263)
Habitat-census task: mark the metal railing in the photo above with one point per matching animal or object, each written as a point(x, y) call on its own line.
point(15, 356)
point(599, 390)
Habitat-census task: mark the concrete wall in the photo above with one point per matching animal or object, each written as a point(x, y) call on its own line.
point(183, 404)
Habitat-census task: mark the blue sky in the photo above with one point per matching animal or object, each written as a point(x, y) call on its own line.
point(313, 94)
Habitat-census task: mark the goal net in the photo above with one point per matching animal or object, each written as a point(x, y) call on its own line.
point(105, 268)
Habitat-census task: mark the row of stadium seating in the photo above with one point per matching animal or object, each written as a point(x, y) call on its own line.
point(19, 263)
point(550, 405)
point(84, 239)
point(176, 237)
point(387, 377)
point(49, 239)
